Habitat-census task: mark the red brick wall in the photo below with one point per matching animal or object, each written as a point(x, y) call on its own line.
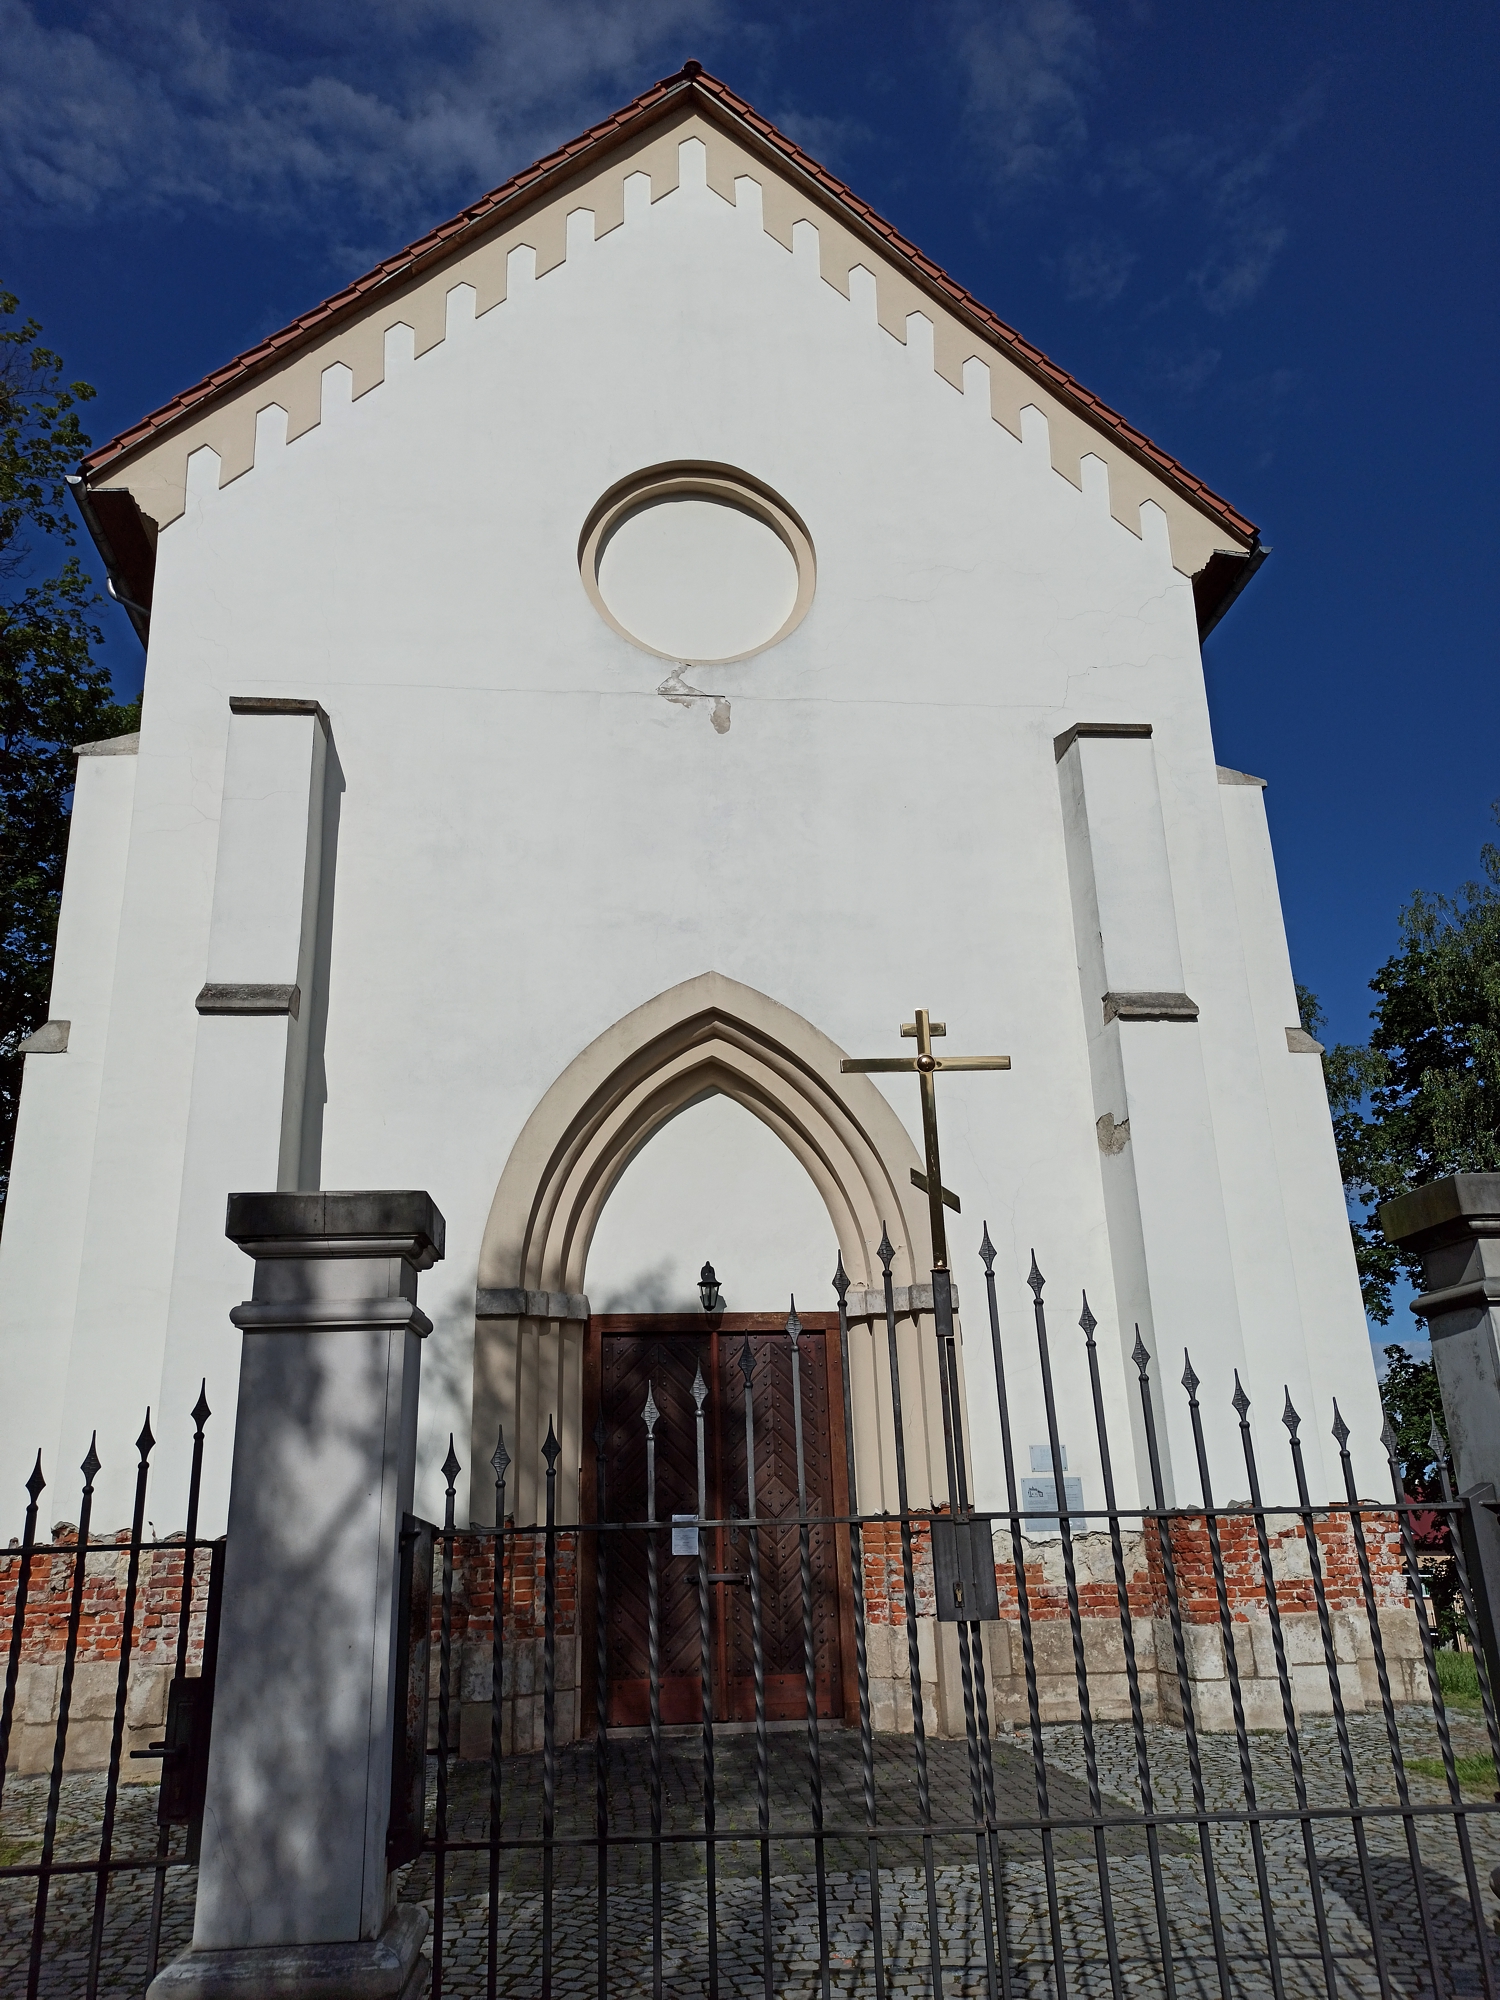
point(102, 1623)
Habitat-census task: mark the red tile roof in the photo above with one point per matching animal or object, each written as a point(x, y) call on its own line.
point(690, 83)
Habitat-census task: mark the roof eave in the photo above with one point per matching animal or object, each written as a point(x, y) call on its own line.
point(758, 135)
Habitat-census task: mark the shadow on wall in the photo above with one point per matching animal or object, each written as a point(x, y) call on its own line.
point(712, 1183)
point(655, 1290)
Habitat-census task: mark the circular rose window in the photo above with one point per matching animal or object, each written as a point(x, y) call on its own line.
point(697, 563)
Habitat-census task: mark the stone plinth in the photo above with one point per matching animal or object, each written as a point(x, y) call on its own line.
point(293, 1890)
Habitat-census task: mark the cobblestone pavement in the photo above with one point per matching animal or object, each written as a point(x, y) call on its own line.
point(70, 1901)
point(902, 1880)
point(903, 1885)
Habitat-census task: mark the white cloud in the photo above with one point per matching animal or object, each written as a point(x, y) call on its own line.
point(1231, 178)
point(1027, 67)
point(389, 113)
point(1098, 269)
point(831, 141)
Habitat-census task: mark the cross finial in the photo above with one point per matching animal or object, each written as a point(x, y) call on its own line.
point(926, 1065)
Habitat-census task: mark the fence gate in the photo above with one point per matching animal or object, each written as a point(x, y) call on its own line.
point(1209, 1748)
point(109, 1677)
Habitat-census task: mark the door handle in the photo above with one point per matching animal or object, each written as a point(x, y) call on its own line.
point(727, 1576)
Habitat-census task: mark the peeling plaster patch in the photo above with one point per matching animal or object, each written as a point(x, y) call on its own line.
point(1113, 1138)
point(675, 688)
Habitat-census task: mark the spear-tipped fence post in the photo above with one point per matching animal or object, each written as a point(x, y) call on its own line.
point(499, 1465)
point(34, 1489)
point(551, 1453)
point(143, 1445)
point(861, 1642)
point(90, 1469)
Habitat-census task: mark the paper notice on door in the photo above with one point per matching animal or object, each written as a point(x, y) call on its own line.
point(684, 1534)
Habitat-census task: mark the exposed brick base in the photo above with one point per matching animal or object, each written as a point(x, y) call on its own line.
point(97, 1670)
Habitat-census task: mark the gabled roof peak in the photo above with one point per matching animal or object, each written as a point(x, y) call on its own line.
point(411, 280)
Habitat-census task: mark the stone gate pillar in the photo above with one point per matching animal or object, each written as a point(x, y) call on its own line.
point(1454, 1226)
point(293, 1892)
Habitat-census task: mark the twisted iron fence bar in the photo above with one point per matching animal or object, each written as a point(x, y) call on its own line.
point(1075, 1626)
point(705, 1674)
point(1231, 1662)
point(958, 1509)
point(601, 1711)
point(91, 1468)
point(200, 1414)
point(1387, 1706)
point(451, 1469)
point(551, 1452)
point(143, 1446)
point(1439, 1706)
point(1061, 1522)
point(1028, 1637)
point(758, 1664)
point(500, 1462)
point(887, 1254)
point(1179, 1651)
point(653, 1615)
point(809, 1655)
point(1335, 1687)
point(1127, 1636)
point(861, 1642)
point(105, 1865)
point(34, 1489)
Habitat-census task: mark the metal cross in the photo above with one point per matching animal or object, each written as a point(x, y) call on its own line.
point(926, 1065)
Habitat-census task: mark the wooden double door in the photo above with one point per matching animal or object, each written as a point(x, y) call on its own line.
point(625, 1356)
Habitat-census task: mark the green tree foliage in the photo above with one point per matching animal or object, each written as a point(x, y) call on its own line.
point(52, 695)
point(1421, 1099)
point(1413, 1405)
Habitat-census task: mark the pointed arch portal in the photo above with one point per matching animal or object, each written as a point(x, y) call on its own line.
point(534, 1340)
point(710, 1033)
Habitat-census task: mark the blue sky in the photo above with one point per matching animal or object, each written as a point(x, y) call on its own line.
point(1266, 236)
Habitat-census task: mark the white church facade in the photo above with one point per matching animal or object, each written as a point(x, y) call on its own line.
point(614, 662)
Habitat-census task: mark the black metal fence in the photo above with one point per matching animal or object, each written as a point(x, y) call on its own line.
point(117, 1634)
point(1190, 1748)
point(1234, 1759)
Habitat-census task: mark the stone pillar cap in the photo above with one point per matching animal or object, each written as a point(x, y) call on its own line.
point(366, 1223)
point(1444, 1212)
